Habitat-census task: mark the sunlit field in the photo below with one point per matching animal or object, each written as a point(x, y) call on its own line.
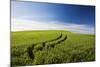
point(51, 47)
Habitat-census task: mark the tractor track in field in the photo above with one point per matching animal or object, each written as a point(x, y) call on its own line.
point(51, 40)
point(57, 40)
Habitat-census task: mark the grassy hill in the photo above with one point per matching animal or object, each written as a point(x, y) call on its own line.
point(51, 47)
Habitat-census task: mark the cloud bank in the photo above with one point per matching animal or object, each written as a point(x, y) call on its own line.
point(22, 24)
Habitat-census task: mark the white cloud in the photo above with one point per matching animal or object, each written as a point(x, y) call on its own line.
point(20, 25)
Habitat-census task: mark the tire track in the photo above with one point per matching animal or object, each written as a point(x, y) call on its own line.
point(51, 40)
point(44, 45)
point(30, 52)
point(58, 42)
point(54, 39)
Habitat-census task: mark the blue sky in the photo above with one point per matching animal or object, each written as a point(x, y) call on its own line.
point(47, 16)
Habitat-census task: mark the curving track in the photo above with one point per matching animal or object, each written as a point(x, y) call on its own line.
point(47, 44)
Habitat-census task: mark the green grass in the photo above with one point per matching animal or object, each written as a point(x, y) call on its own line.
point(51, 47)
